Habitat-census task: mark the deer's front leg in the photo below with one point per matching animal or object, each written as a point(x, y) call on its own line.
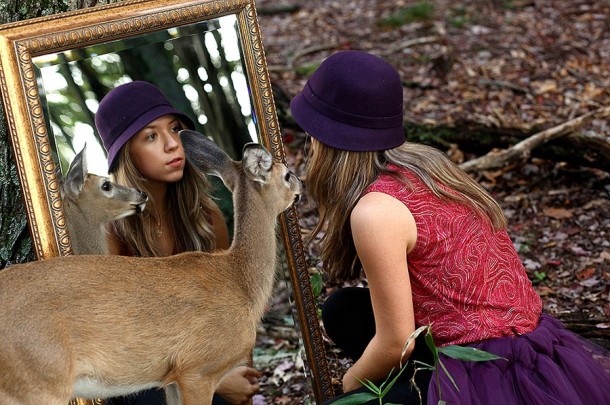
point(196, 389)
point(172, 395)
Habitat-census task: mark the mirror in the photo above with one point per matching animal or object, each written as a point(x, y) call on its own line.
point(67, 60)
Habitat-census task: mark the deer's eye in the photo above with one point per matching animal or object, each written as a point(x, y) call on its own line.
point(287, 176)
point(107, 186)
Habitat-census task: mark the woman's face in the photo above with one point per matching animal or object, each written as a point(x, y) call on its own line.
point(157, 152)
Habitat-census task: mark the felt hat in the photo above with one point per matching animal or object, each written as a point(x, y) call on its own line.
point(354, 102)
point(127, 109)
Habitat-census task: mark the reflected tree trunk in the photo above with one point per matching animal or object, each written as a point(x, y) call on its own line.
point(15, 240)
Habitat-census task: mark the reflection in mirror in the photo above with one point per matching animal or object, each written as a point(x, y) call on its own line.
point(199, 67)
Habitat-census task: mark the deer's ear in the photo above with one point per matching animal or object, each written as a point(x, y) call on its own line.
point(203, 152)
point(257, 162)
point(75, 178)
point(206, 156)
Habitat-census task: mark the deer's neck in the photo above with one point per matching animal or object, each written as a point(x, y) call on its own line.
point(87, 236)
point(254, 247)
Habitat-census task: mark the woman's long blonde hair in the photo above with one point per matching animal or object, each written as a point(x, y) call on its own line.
point(189, 208)
point(337, 178)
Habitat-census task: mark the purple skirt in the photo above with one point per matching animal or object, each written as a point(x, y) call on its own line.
point(550, 365)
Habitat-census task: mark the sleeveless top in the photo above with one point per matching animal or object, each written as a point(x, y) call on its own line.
point(467, 279)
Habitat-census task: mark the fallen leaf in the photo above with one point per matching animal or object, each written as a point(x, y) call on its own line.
point(585, 273)
point(558, 213)
point(545, 86)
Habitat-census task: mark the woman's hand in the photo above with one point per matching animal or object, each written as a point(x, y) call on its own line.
point(239, 385)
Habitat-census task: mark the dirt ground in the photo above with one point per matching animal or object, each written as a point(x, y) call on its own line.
point(507, 66)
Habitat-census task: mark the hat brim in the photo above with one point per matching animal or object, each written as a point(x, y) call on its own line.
point(340, 135)
point(143, 120)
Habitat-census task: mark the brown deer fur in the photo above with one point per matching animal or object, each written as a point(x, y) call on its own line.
point(99, 326)
point(90, 201)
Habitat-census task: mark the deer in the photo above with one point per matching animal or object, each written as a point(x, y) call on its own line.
point(96, 326)
point(91, 201)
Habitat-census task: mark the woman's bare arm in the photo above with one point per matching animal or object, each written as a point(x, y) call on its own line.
point(384, 231)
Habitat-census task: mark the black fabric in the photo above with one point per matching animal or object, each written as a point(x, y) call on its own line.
point(348, 320)
point(152, 397)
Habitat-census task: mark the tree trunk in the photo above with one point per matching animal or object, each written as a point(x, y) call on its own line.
point(15, 240)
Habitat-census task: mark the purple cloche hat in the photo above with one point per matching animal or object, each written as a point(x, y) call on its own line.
point(354, 102)
point(127, 109)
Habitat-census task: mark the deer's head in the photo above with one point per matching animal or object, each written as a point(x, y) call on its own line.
point(97, 195)
point(278, 186)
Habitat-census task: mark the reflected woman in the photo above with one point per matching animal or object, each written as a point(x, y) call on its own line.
point(139, 128)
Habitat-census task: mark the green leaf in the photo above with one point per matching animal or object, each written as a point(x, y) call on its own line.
point(432, 346)
point(448, 375)
point(468, 353)
point(386, 389)
point(370, 385)
point(356, 399)
point(317, 283)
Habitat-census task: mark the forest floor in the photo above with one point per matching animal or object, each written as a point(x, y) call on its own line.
point(500, 66)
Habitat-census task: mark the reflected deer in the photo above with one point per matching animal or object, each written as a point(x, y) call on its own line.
point(90, 201)
point(101, 326)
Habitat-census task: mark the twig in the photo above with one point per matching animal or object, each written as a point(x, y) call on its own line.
point(409, 43)
point(504, 84)
point(311, 49)
point(588, 78)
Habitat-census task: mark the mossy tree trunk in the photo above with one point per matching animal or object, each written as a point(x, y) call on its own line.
point(15, 240)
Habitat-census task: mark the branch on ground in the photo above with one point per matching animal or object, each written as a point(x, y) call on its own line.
point(522, 150)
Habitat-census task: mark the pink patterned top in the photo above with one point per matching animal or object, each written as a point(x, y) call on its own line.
point(468, 281)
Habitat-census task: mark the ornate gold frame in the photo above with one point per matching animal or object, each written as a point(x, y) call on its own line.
point(21, 41)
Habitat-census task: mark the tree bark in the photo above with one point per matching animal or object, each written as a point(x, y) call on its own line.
point(15, 240)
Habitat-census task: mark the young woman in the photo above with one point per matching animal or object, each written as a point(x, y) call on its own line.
point(139, 128)
point(435, 251)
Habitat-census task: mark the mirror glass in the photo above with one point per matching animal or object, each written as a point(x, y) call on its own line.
point(199, 68)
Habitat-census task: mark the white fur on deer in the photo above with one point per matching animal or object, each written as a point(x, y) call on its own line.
point(90, 201)
point(99, 326)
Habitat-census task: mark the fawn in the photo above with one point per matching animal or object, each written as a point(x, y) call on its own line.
point(90, 201)
point(100, 326)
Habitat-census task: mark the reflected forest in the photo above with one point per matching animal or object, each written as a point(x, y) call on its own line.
point(198, 67)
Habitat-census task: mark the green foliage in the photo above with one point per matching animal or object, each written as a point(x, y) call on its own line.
point(453, 351)
point(317, 283)
point(307, 69)
point(508, 4)
point(459, 17)
point(539, 277)
point(422, 12)
point(526, 242)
